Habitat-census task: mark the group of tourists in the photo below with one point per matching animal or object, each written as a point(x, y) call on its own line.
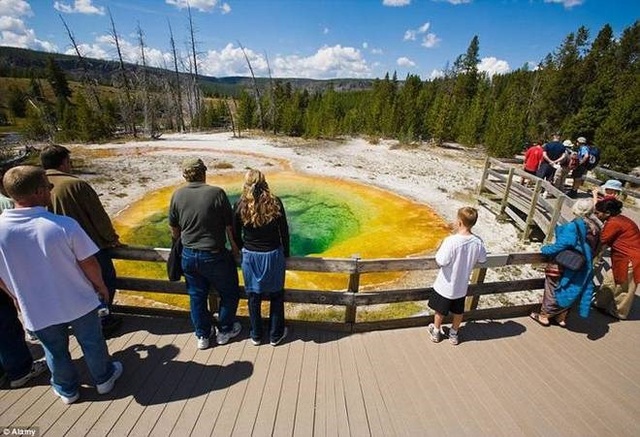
point(555, 161)
point(568, 283)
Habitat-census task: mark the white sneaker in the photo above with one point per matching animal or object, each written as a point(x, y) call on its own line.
point(65, 399)
point(203, 342)
point(434, 333)
point(37, 368)
point(224, 337)
point(255, 342)
point(107, 386)
point(278, 341)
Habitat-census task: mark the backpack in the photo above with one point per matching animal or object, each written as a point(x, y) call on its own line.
point(573, 161)
point(594, 157)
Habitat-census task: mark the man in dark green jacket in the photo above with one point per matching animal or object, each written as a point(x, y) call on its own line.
point(74, 197)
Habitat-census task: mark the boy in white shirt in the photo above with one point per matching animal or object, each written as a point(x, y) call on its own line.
point(456, 257)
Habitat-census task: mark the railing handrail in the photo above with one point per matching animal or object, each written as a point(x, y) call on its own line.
point(352, 297)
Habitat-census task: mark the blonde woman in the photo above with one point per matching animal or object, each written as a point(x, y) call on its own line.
point(260, 229)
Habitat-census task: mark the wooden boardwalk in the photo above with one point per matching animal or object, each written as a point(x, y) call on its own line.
point(508, 377)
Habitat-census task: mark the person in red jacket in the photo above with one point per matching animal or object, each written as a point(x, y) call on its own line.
point(532, 159)
point(623, 236)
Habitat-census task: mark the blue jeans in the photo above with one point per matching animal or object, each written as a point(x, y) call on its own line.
point(55, 341)
point(203, 270)
point(15, 357)
point(276, 314)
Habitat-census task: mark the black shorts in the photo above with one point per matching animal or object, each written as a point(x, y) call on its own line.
point(579, 172)
point(443, 304)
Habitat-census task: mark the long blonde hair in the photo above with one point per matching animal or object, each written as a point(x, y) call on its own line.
point(257, 205)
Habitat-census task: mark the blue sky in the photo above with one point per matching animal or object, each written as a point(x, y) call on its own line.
point(318, 39)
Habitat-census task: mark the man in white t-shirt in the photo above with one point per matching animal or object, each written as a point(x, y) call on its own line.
point(456, 257)
point(47, 265)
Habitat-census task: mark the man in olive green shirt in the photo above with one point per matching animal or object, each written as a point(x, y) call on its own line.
point(74, 197)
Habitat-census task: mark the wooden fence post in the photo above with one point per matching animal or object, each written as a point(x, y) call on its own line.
point(507, 189)
point(354, 285)
point(554, 219)
point(485, 174)
point(532, 210)
point(477, 277)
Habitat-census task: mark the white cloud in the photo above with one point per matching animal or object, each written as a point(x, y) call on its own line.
point(365, 45)
point(409, 35)
point(455, 2)
point(405, 62)
point(325, 30)
point(200, 5)
point(568, 4)
point(79, 7)
point(376, 51)
point(430, 40)
point(15, 8)
point(436, 74)
point(396, 3)
point(326, 63)
point(492, 65)
point(13, 30)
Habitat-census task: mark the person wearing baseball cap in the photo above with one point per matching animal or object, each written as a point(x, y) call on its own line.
point(579, 173)
point(201, 216)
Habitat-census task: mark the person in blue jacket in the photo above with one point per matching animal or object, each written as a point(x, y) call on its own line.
point(565, 287)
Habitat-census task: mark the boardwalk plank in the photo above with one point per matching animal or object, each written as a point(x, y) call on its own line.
point(353, 396)
point(287, 404)
point(266, 417)
point(305, 411)
point(261, 357)
point(219, 390)
point(205, 385)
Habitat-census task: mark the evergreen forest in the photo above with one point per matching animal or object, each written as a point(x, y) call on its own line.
point(588, 86)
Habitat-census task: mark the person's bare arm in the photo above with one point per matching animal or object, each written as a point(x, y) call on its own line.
point(91, 269)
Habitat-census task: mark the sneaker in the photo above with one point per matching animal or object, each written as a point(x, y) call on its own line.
point(278, 341)
point(434, 333)
point(65, 399)
point(454, 338)
point(224, 337)
point(255, 341)
point(37, 368)
point(107, 386)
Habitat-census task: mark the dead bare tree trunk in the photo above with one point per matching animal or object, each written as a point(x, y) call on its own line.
point(148, 115)
point(255, 87)
point(272, 98)
point(129, 112)
point(194, 84)
point(87, 80)
point(177, 87)
point(233, 124)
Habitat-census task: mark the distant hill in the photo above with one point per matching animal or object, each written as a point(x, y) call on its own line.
point(15, 62)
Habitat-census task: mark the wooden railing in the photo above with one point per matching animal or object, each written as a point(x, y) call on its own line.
point(352, 297)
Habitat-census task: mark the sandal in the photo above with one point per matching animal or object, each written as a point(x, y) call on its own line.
point(562, 324)
point(537, 318)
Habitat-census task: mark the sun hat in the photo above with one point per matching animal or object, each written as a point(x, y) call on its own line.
point(567, 143)
point(582, 140)
point(193, 164)
point(612, 184)
point(582, 208)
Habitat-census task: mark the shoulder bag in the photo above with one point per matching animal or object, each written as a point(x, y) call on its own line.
point(174, 262)
point(571, 258)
